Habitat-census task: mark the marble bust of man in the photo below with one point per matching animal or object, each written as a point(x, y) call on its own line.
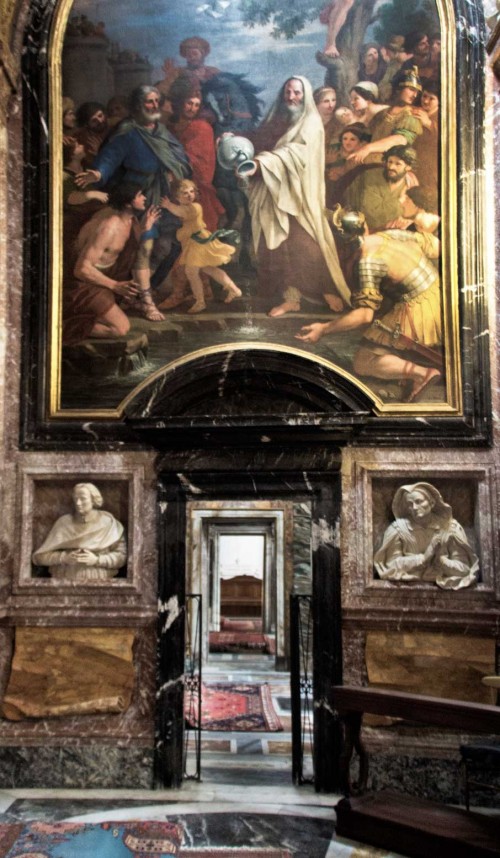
point(87, 545)
point(425, 542)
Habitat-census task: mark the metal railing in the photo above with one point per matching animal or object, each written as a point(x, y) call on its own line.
point(301, 683)
point(192, 688)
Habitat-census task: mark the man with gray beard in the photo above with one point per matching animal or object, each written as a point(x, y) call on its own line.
point(296, 254)
point(144, 152)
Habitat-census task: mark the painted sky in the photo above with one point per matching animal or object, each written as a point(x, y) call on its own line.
point(155, 28)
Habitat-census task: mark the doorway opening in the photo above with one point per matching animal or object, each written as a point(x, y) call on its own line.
point(246, 559)
point(197, 512)
point(237, 559)
point(238, 578)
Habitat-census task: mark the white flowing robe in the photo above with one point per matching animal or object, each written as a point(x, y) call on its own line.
point(103, 534)
point(401, 555)
point(291, 184)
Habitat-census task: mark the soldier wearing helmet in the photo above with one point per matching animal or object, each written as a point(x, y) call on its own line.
point(401, 342)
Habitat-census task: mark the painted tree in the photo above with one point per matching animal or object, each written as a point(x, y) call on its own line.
point(397, 18)
point(343, 73)
point(289, 17)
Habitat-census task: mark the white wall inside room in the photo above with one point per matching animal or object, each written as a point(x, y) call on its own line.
point(241, 554)
point(235, 516)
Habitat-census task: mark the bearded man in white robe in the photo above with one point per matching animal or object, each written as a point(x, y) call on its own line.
point(296, 254)
point(88, 545)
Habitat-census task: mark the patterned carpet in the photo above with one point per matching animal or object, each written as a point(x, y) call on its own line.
point(111, 828)
point(238, 707)
point(239, 641)
point(230, 624)
point(105, 839)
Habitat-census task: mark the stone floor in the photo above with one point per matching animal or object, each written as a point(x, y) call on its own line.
point(245, 797)
point(275, 747)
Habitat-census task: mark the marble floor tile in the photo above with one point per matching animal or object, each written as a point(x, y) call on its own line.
point(250, 818)
point(304, 836)
point(214, 814)
point(245, 797)
point(5, 802)
point(161, 811)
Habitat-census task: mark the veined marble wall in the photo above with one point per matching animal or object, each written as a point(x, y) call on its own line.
point(108, 750)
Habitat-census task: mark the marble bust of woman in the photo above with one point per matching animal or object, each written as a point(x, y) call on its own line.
point(87, 545)
point(425, 542)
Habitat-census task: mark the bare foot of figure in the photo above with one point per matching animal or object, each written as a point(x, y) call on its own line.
point(197, 307)
point(147, 307)
point(419, 387)
point(331, 52)
point(334, 302)
point(334, 16)
point(151, 313)
point(231, 293)
point(283, 309)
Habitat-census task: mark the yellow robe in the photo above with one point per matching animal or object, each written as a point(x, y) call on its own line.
point(212, 253)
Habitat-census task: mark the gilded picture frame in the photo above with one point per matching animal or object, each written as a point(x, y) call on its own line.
point(88, 382)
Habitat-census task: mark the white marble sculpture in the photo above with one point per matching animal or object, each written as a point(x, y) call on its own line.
point(87, 545)
point(425, 542)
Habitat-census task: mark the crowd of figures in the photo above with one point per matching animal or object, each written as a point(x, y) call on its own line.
point(340, 207)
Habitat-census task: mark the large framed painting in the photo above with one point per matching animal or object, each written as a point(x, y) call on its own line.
point(247, 176)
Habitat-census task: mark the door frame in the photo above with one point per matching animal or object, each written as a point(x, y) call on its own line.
point(323, 491)
point(218, 529)
point(200, 524)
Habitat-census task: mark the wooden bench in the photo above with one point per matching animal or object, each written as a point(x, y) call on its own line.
point(241, 596)
point(417, 827)
point(414, 827)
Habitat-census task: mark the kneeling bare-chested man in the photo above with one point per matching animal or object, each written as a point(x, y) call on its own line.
point(105, 251)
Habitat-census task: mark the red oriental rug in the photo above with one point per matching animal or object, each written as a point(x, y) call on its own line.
point(224, 852)
point(230, 706)
point(241, 641)
point(238, 624)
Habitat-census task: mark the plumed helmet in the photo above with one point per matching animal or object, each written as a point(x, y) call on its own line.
point(410, 78)
point(348, 222)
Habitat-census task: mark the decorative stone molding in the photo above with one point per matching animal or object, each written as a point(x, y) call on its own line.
point(369, 483)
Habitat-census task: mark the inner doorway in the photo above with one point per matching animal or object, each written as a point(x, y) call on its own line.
point(237, 559)
point(225, 498)
point(240, 581)
point(238, 562)
point(238, 576)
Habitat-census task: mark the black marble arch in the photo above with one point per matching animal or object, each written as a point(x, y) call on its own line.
point(323, 492)
point(285, 399)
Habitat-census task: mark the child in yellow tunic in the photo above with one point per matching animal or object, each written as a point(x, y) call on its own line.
point(199, 256)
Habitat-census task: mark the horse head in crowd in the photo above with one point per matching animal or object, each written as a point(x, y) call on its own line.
point(234, 102)
point(236, 107)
